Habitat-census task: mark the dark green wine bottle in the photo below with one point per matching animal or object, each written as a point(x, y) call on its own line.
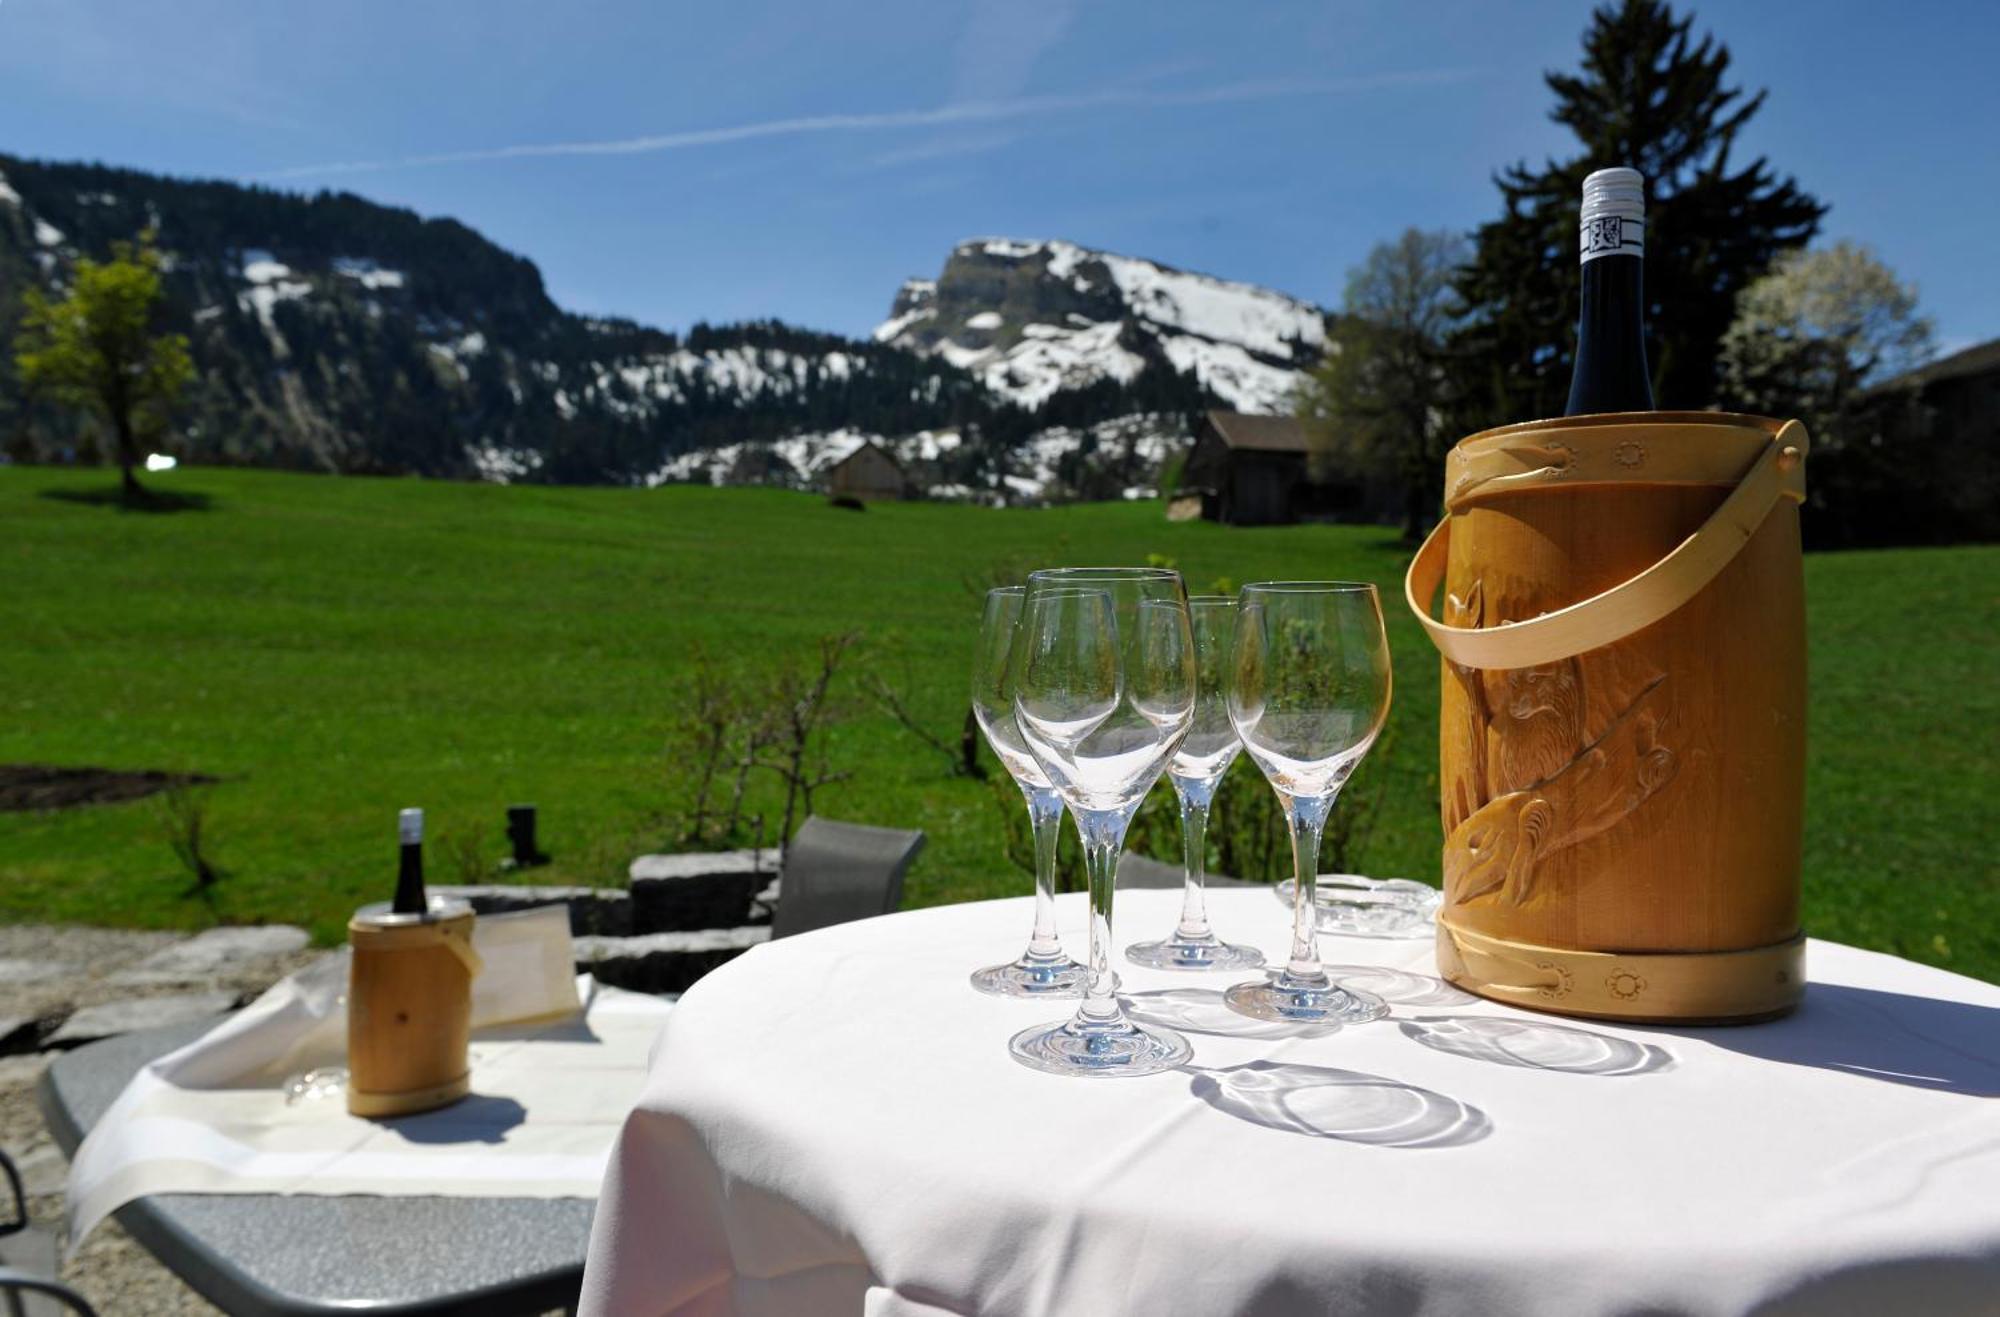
point(1611, 374)
point(410, 896)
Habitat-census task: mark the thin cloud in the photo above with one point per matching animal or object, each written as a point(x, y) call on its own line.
point(964, 112)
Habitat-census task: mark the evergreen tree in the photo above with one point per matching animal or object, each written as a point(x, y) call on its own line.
point(1652, 96)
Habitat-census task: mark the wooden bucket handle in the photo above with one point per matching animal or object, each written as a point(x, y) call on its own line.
point(1602, 619)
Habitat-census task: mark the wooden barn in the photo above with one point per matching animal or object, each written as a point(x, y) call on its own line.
point(1252, 471)
point(867, 472)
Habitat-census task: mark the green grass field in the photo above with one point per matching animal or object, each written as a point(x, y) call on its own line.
point(336, 648)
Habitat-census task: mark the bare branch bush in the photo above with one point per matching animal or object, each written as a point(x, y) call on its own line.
point(959, 752)
point(802, 713)
point(183, 824)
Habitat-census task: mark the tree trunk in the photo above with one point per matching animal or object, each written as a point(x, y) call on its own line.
point(1416, 499)
point(128, 457)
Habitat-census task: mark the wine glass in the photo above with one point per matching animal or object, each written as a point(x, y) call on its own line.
point(1043, 970)
point(1196, 770)
point(1104, 680)
point(1309, 692)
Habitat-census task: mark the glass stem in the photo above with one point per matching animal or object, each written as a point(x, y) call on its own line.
point(1045, 817)
point(1103, 834)
point(1195, 796)
point(1308, 821)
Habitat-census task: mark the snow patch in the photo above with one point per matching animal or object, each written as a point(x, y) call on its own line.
point(503, 465)
point(8, 194)
point(367, 273)
point(47, 234)
point(1249, 345)
point(271, 282)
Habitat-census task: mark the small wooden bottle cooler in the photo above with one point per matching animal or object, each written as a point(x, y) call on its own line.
point(409, 1009)
point(1622, 717)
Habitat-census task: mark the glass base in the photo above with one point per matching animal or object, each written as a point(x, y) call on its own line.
point(1282, 997)
point(1033, 976)
point(1354, 906)
point(1115, 1049)
point(1193, 953)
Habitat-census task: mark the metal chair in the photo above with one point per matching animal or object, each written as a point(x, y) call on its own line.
point(28, 1259)
point(835, 872)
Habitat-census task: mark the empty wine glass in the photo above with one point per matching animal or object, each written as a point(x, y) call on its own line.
point(1196, 770)
point(1104, 679)
point(1309, 692)
point(1043, 970)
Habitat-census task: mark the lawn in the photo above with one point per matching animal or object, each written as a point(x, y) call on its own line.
point(333, 649)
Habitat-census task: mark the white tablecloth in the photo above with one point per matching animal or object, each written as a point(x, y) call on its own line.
point(832, 1124)
point(556, 1062)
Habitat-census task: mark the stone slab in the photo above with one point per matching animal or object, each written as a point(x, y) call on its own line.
point(134, 1014)
point(22, 1070)
point(593, 911)
point(705, 864)
point(715, 890)
point(13, 970)
point(216, 952)
point(664, 962)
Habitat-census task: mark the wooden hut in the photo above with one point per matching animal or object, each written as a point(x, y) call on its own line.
point(1252, 471)
point(867, 472)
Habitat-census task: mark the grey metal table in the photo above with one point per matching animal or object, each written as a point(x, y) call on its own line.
point(297, 1255)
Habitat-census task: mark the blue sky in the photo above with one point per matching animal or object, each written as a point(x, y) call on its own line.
point(676, 162)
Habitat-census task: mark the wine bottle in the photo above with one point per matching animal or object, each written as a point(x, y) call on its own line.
point(1610, 374)
point(410, 897)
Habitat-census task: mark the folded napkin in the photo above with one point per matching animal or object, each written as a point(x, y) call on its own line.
point(557, 1062)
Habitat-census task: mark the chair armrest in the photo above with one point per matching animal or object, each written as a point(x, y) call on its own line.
point(20, 1218)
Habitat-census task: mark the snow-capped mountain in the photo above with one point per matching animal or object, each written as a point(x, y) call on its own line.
point(1032, 319)
point(332, 333)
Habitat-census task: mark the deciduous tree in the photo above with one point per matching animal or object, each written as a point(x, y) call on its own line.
point(1381, 400)
point(98, 348)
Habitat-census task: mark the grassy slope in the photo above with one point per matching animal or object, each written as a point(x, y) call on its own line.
point(339, 648)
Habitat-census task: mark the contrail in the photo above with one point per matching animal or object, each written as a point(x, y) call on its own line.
point(962, 112)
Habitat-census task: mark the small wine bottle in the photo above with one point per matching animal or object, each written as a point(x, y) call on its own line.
point(1610, 374)
point(410, 897)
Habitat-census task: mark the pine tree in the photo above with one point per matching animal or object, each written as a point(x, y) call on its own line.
point(1652, 96)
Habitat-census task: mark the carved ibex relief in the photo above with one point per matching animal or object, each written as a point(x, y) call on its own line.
point(1548, 757)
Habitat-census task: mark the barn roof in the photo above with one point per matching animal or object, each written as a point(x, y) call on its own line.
point(862, 447)
point(1259, 434)
point(1976, 360)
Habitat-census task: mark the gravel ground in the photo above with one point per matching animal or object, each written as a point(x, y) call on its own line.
point(114, 1273)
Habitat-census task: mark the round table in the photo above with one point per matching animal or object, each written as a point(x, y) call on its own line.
point(833, 1124)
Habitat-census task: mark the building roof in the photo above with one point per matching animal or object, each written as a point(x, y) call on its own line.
point(1977, 360)
point(864, 446)
point(1260, 434)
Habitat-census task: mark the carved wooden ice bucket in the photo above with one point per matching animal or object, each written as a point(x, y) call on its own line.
point(1622, 719)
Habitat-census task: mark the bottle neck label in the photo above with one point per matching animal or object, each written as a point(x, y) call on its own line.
point(1611, 235)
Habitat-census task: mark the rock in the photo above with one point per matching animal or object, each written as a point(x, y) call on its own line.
point(43, 1170)
point(23, 1070)
point(216, 952)
point(664, 962)
point(699, 890)
point(12, 1025)
point(116, 1017)
point(34, 971)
